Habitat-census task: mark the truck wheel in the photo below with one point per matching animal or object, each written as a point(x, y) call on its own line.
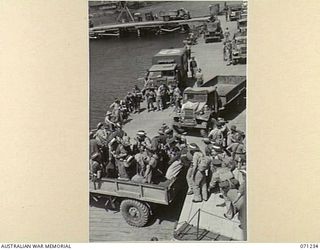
point(204, 132)
point(134, 212)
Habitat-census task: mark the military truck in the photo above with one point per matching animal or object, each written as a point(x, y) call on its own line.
point(180, 14)
point(203, 104)
point(171, 65)
point(239, 49)
point(167, 73)
point(137, 201)
point(242, 24)
point(213, 31)
point(234, 12)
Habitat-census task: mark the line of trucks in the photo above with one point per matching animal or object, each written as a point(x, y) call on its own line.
point(137, 201)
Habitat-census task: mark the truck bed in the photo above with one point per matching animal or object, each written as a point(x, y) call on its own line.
point(228, 87)
point(162, 193)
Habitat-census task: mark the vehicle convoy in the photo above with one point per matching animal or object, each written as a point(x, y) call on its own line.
point(239, 49)
point(203, 104)
point(213, 31)
point(137, 201)
point(170, 65)
point(180, 14)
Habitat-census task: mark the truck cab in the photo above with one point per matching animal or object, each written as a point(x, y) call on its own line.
point(234, 13)
point(164, 72)
point(200, 105)
point(180, 14)
point(213, 31)
point(242, 24)
point(176, 61)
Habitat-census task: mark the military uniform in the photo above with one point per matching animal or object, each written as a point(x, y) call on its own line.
point(121, 154)
point(140, 143)
point(200, 188)
point(238, 151)
point(216, 136)
point(191, 171)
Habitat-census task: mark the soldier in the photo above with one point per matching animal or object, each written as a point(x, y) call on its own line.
point(231, 137)
point(229, 53)
point(172, 149)
point(224, 179)
point(196, 156)
point(142, 160)
point(109, 121)
point(119, 132)
point(122, 152)
point(141, 141)
point(158, 98)
point(129, 101)
point(237, 149)
point(95, 146)
point(224, 130)
point(227, 34)
point(216, 135)
point(102, 137)
point(137, 97)
point(200, 188)
point(151, 96)
point(199, 77)
point(168, 134)
point(95, 167)
point(193, 66)
point(177, 97)
point(151, 167)
point(115, 106)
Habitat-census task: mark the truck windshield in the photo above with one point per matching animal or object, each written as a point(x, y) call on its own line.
point(168, 73)
point(195, 97)
point(154, 74)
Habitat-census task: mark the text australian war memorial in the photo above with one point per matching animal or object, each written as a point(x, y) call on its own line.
point(167, 158)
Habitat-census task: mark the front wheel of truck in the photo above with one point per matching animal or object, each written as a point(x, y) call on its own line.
point(134, 212)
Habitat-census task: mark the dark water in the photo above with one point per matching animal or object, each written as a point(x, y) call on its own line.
point(116, 64)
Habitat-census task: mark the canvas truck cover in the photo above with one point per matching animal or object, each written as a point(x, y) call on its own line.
point(169, 56)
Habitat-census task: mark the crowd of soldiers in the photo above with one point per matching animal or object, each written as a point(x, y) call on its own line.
point(220, 168)
point(157, 98)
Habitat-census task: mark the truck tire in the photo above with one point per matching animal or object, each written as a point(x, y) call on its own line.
point(204, 132)
point(134, 212)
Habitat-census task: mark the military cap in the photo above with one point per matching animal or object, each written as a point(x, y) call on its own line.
point(233, 128)
point(141, 133)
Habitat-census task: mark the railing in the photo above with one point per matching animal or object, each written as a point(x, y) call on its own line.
point(200, 233)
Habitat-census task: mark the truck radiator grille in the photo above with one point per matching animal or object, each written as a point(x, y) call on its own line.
point(188, 114)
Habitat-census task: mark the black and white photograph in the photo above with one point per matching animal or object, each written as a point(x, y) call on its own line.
point(167, 138)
